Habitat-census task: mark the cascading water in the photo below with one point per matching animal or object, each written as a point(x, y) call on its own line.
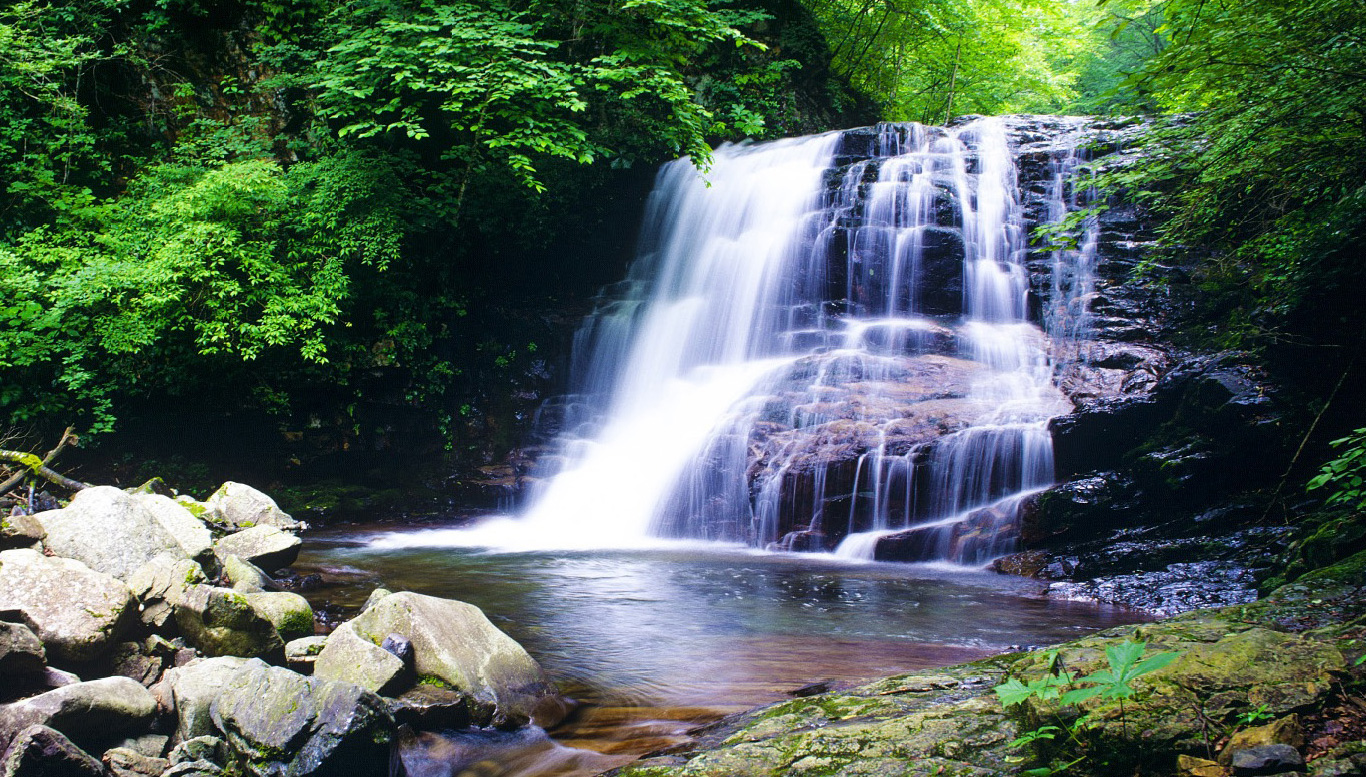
point(824, 345)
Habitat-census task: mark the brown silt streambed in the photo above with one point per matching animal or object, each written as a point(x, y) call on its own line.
point(657, 643)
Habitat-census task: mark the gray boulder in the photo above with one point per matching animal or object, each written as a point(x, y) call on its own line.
point(101, 709)
point(289, 613)
point(38, 751)
point(222, 622)
point(189, 692)
point(201, 748)
point(350, 658)
point(126, 762)
point(161, 583)
point(302, 653)
point(21, 652)
point(242, 575)
point(278, 722)
point(239, 506)
point(455, 644)
point(114, 532)
point(77, 613)
point(20, 531)
point(265, 546)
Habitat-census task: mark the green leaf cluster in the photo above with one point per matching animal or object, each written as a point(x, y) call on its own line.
point(1344, 476)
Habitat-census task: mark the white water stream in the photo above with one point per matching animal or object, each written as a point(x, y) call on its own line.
point(818, 347)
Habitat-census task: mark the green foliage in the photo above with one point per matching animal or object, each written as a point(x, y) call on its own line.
point(1268, 174)
point(1126, 664)
point(1345, 476)
point(931, 60)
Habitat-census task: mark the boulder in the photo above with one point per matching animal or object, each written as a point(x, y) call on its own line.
point(189, 692)
point(161, 583)
point(77, 612)
point(243, 576)
point(1267, 759)
point(20, 531)
point(455, 644)
point(115, 532)
point(302, 653)
point(289, 613)
point(239, 506)
point(350, 658)
point(39, 751)
point(1283, 731)
point(99, 710)
point(278, 722)
point(21, 652)
point(202, 748)
point(131, 660)
point(223, 622)
point(125, 762)
point(265, 546)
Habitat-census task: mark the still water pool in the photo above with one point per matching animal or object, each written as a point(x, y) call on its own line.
point(712, 625)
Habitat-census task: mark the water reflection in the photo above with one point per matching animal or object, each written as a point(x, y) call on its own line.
point(694, 627)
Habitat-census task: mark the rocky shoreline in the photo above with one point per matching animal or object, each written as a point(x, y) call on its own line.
point(1271, 687)
point(141, 636)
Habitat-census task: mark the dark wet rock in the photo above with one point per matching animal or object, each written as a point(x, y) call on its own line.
point(976, 538)
point(1267, 759)
point(39, 751)
point(21, 653)
point(131, 660)
point(427, 707)
point(280, 722)
point(400, 646)
point(1178, 588)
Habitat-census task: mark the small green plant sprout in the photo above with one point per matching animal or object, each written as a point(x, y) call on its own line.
point(1254, 716)
point(1126, 665)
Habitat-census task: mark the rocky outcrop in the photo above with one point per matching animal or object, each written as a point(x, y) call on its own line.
point(239, 506)
point(95, 711)
point(77, 612)
point(1267, 656)
point(279, 722)
point(39, 751)
point(265, 547)
point(115, 532)
point(455, 645)
point(223, 622)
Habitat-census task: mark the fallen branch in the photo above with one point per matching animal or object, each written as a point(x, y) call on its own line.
point(32, 465)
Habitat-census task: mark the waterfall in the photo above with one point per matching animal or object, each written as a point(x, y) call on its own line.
point(824, 344)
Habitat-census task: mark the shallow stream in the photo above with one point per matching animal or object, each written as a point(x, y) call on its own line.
point(656, 642)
